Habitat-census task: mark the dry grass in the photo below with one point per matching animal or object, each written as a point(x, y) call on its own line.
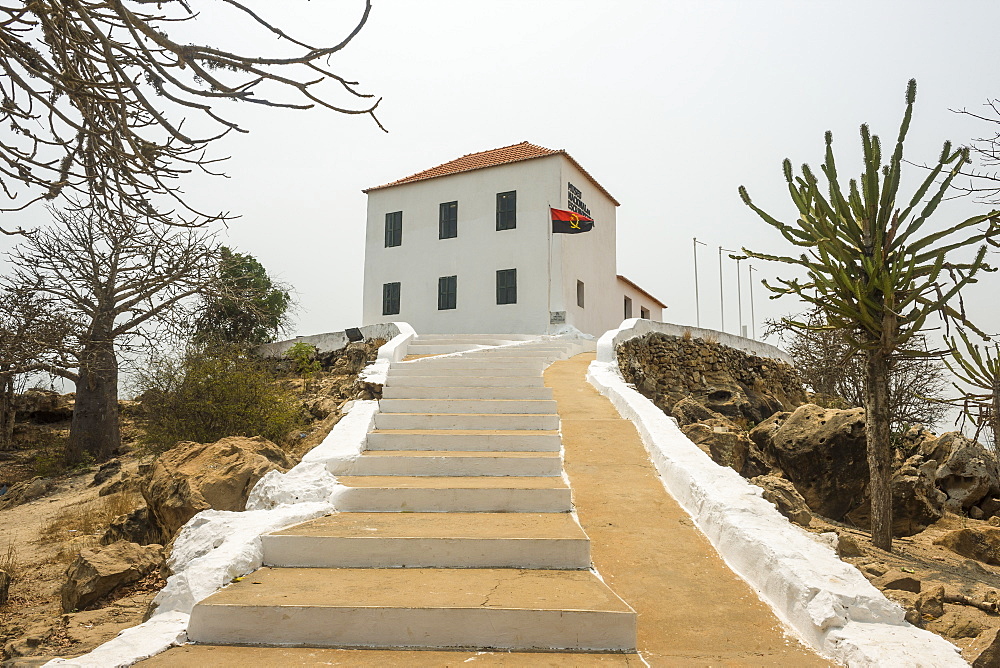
point(89, 519)
point(687, 335)
point(9, 563)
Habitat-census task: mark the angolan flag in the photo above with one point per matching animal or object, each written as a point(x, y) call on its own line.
point(570, 222)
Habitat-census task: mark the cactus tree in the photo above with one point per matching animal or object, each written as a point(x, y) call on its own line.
point(875, 275)
point(979, 371)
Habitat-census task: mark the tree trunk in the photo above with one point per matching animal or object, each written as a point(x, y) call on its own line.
point(7, 412)
point(995, 417)
point(879, 447)
point(95, 428)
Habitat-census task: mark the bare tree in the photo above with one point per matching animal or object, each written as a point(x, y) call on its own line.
point(114, 276)
point(983, 170)
point(108, 102)
point(831, 366)
point(32, 339)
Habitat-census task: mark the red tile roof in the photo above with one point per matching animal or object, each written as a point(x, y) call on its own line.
point(491, 158)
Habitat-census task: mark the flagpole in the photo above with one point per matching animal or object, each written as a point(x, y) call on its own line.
point(548, 224)
point(697, 299)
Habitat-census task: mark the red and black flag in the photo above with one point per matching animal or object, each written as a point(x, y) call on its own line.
point(570, 222)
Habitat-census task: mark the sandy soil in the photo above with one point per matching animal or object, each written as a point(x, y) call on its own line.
point(32, 622)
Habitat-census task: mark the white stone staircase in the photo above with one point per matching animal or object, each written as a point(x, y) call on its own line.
point(455, 530)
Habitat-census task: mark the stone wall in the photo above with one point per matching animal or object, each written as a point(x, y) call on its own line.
point(739, 385)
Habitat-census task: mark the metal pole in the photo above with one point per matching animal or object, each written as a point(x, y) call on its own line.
point(722, 296)
point(697, 298)
point(739, 293)
point(721, 249)
point(753, 318)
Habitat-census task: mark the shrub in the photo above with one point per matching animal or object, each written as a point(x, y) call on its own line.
point(210, 393)
point(303, 356)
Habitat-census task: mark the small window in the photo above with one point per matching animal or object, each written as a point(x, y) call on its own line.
point(644, 313)
point(393, 229)
point(390, 299)
point(628, 308)
point(507, 210)
point(507, 286)
point(448, 220)
point(579, 294)
point(447, 289)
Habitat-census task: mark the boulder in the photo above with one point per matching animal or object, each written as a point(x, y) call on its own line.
point(931, 602)
point(785, 497)
point(44, 406)
point(25, 491)
point(967, 471)
point(979, 543)
point(822, 452)
point(986, 649)
point(847, 547)
point(139, 526)
point(720, 440)
point(99, 571)
point(916, 502)
point(107, 471)
point(4, 586)
point(192, 477)
point(688, 411)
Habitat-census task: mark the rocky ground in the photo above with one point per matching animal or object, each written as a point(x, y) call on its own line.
point(84, 549)
point(752, 415)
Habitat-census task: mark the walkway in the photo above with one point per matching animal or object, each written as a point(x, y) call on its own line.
point(692, 610)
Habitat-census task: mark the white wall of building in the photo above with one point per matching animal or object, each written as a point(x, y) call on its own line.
point(474, 256)
point(479, 250)
point(640, 300)
point(587, 257)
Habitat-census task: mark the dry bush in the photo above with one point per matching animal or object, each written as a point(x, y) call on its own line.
point(9, 563)
point(89, 519)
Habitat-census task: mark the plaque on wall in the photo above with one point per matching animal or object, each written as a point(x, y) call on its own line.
point(557, 317)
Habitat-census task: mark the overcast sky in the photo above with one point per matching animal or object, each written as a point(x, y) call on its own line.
point(669, 105)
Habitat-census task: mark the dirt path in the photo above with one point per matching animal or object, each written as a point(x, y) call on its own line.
point(693, 610)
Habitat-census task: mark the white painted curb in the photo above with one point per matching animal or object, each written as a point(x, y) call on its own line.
point(827, 602)
point(215, 546)
point(394, 350)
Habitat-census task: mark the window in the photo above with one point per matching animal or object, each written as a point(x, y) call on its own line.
point(506, 286)
point(393, 229)
point(507, 210)
point(644, 313)
point(448, 220)
point(447, 289)
point(390, 298)
point(579, 294)
point(628, 308)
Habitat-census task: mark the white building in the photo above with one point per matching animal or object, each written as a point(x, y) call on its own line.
point(467, 247)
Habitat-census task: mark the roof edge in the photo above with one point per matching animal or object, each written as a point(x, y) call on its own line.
point(636, 286)
point(509, 162)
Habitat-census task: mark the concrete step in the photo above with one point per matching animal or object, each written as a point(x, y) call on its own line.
point(431, 494)
point(216, 656)
point(481, 369)
point(466, 421)
point(439, 540)
point(432, 379)
point(418, 348)
point(496, 406)
point(457, 463)
point(466, 393)
point(506, 338)
point(519, 362)
point(417, 607)
point(465, 439)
